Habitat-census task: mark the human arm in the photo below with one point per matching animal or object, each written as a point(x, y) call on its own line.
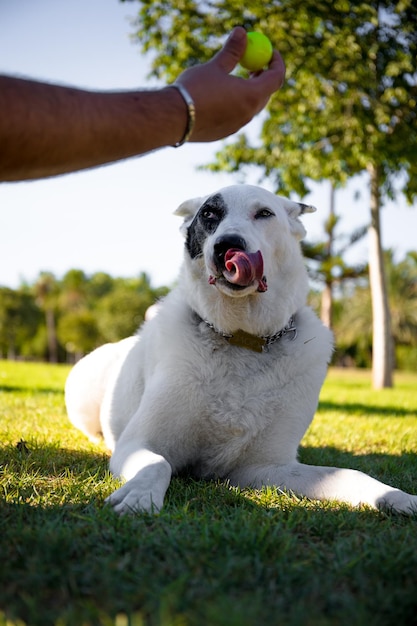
point(50, 130)
point(46, 130)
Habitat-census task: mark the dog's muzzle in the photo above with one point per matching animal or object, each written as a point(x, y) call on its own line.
point(238, 267)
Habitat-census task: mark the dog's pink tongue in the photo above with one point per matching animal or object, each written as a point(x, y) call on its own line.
point(242, 268)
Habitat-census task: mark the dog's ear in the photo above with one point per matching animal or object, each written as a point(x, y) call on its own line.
point(187, 210)
point(294, 210)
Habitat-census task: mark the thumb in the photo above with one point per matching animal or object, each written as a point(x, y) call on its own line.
point(233, 50)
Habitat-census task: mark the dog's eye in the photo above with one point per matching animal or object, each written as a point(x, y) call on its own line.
point(209, 215)
point(263, 213)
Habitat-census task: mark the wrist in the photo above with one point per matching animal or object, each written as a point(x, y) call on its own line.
point(191, 114)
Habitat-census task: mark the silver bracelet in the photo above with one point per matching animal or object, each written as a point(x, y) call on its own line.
point(190, 111)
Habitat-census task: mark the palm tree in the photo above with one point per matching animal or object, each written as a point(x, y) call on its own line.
point(46, 294)
point(402, 290)
point(354, 326)
point(327, 265)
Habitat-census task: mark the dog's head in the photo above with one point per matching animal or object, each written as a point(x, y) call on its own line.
point(243, 235)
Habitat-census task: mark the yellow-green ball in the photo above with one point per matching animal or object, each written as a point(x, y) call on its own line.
point(258, 52)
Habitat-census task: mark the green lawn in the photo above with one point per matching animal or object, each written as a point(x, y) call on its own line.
point(215, 556)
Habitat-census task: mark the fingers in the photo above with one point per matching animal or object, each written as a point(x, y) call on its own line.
point(231, 53)
point(274, 76)
point(225, 102)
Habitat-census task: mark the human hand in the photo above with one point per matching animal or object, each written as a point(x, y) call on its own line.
point(224, 103)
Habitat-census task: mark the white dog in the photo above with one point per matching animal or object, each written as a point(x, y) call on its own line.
point(225, 379)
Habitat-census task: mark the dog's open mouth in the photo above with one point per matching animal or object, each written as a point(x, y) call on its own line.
point(242, 269)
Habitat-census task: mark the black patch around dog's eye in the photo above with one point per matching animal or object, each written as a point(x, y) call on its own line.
point(195, 239)
point(204, 223)
point(209, 217)
point(211, 213)
point(263, 213)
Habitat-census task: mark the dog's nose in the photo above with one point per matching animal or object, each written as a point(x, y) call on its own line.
point(225, 243)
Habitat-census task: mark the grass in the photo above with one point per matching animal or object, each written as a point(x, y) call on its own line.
point(215, 556)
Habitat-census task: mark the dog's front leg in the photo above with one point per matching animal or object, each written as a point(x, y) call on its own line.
point(147, 474)
point(327, 483)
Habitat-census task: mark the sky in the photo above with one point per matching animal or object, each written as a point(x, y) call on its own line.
point(118, 218)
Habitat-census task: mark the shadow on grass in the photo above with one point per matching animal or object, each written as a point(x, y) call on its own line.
point(215, 555)
point(396, 470)
point(365, 410)
point(44, 458)
point(30, 389)
point(52, 463)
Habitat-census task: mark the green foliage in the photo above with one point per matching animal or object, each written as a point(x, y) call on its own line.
point(120, 312)
point(351, 92)
point(78, 331)
point(349, 103)
point(73, 315)
point(93, 310)
point(402, 287)
point(353, 321)
point(216, 555)
point(19, 320)
point(326, 259)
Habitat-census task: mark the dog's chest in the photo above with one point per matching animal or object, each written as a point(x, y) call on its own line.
point(235, 383)
point(233, 394)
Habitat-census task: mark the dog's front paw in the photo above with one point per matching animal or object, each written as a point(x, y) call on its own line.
point(399, 502)
point(131, 498)
point(148, 475)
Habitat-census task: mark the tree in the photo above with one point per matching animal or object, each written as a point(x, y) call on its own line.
point(327, 264)
point(78, 332)
point(99, 285)
point(402, 286)
point(68, 317)
point(349, 104)
point(19, 321)
point(73, 290)
point(121, 312)
point(354, 323)
point(46, 295)
point(402, 289)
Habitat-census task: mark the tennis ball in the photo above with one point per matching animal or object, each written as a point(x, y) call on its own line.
point(258, 52)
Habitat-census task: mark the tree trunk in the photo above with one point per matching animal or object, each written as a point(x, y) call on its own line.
point(326, 309)
point(381, 323)
point(51, 336)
